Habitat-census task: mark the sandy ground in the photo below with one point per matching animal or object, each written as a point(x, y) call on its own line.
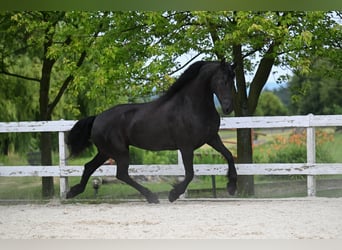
point(306, 218)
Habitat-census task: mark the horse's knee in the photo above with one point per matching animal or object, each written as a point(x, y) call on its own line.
point(189, 177)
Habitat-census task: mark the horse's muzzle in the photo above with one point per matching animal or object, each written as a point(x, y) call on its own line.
point(227, 108)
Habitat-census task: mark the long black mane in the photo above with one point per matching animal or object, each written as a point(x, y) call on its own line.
point(184, 79)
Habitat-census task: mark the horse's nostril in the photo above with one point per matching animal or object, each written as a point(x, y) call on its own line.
point(228, 109)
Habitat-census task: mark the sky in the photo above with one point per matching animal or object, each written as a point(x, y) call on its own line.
point(272, 79)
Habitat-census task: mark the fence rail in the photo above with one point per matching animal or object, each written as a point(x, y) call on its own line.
point(310, 168)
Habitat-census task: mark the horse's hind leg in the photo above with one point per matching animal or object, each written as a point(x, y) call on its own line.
point(89, 169)
point(178, 189)
point(217, 144)
point(122, 174)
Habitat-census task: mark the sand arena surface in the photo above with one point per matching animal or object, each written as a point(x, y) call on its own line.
point(304, 218)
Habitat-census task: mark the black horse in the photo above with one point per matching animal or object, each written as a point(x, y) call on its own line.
point(184, 118)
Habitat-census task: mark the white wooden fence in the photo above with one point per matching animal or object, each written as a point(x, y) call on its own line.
point(310, 168)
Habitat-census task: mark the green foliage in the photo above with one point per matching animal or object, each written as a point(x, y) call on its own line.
point(270, 105)
point(317, 93)
point(290, 154)
point(139, 156)
point(18, 101)
point(292, 148)
point(208, 156)
point(127, 54)
point(202, 156)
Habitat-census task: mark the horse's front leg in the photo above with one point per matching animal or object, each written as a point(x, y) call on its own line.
point(178, 189)
point(217, 144)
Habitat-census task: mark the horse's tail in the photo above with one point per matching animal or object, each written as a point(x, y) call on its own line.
point(79, 136)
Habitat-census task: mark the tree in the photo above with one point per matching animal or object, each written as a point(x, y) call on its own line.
point(319, 92)
point(19, 107)
point(270, 105)
point(58, 44)
point(50, 40)
point(256, 41)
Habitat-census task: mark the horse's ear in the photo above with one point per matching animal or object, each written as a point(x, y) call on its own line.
point(233, 66)
point(223, 62)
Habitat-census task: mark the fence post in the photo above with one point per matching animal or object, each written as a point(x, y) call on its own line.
point(63, 180)
point(311, 156)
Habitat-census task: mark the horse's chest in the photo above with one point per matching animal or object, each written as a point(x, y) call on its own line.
point(198, 131)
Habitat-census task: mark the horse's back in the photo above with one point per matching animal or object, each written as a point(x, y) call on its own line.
point(113, 116)
point(110, 126)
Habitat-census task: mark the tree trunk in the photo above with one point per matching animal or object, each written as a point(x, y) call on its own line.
point(245, 155)
point(45, 138)
point(48, 190)
point(5, 146)
point(245, 105)
point(46, 107)
point(244, 146)
point(45, 115)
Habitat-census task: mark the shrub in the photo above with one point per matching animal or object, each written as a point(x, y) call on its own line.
point(292, 149)
point(139, 156)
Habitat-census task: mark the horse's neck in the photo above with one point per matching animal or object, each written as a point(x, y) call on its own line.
point(200, 94)
point(199, 89)
point(196, 93)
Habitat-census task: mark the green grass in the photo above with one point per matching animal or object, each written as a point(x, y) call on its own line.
point(22, 188)
point(13, 159)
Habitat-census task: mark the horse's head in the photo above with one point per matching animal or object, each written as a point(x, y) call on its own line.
point(222, 84)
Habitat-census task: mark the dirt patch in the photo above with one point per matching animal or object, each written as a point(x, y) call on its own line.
point(314, 218)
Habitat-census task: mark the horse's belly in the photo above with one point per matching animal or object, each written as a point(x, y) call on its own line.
point(151, 137)
point(168, 139)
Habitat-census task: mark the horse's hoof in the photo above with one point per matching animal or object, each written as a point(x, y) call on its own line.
point(69, 195)
point(75, 190)
point(173, 195)
point(152, 198)
point(231, 188)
